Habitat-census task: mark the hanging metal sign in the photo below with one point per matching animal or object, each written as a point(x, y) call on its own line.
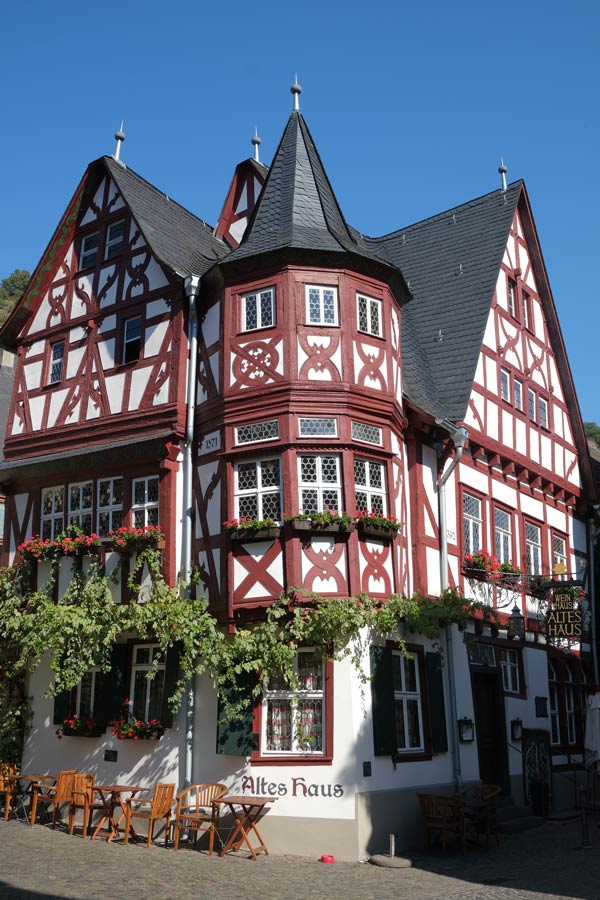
point(564, 617)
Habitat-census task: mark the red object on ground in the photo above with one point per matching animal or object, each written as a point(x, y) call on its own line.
point(327, 858)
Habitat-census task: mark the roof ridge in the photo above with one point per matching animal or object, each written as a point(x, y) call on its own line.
point(162, 194)
point(451, 209)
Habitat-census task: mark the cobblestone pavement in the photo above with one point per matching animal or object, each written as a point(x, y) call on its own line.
point(544, 864)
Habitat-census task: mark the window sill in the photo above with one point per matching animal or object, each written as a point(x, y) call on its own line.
point(411, 757)
point(292, 760)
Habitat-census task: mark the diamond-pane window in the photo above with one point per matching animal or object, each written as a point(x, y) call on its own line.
point(369, 315)
point(518, 394)
point(503, 535)
point(505, 385)
point(110, 504)
point(472, 523)
point(80, 505)
point(294, 721)
point(258, 310)
point(53, 512)
point(320, 483)
point(145, 501)
point(258, 431)
point(368, 434)
point(543, 412)
point(369, 484)
point(533, 549)
point(321, 305)
point(318, 427)
point(258, 489)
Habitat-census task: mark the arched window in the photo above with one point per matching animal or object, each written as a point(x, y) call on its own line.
point(554, 717)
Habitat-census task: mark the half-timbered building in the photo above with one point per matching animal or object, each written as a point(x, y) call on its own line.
point(280, 365)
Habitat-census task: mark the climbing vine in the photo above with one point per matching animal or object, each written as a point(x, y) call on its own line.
point(78, 629)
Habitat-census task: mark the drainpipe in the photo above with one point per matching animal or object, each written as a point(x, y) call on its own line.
point(459, 436)
point(192, 287)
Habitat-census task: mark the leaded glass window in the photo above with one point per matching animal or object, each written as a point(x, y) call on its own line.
point(80, 505)
point(317, 427)
point(258, 310)
point(368, 434)
point(472, 523)
point(320, 483)
point(369, 315)
point(369, 484)
point(503, 535)
point(321, 305)
point(258, 489)
point(110, 504)
point(257, 431)
point(53, 512)
point(145, 501)
point(57, 358)
point(533, 549)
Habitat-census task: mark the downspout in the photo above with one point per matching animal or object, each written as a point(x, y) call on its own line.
point(192, 287)
point(459, 436)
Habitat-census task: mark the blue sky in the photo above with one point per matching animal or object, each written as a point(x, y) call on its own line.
point(411, 106)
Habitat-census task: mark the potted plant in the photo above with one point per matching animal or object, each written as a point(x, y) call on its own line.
point(134, 729)
point(73, 542)
point(480, 564)
point(378, 525)
point(329, 520)
point(75, 726)
point(250, 528)
point(128, 539)
point(538, 585)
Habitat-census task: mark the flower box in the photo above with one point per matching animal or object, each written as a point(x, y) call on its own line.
point(137, 730)
point(372, 529)
point(299, 524)
point(247, 534)
point(135, 540)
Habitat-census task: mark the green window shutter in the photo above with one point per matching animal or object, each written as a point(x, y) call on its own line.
point(382, 696)
point(234, 736)
point(110, 688)
point(171, 676)
point(62, 707)
point(437, 708)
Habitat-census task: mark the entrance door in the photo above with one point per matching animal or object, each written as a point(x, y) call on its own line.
point(488, 700)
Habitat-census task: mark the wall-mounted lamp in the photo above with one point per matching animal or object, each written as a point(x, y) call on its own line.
point(466, 730)
point(516, 623)
point(516, 729)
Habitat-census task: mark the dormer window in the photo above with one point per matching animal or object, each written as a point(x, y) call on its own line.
point(57, 358)
point(258, 310)
point(89, 250)
point(115, 236)
point(321, 305)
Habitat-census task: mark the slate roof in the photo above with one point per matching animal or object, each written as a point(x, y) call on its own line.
point(297, 207)
point(451, 263)
point(178, 237)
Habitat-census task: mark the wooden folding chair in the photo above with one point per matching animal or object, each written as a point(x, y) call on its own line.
point(82, 798)
point(444, 816)
point(56, 796)
point(197, 811)
point(160, 808)
point(8, 785)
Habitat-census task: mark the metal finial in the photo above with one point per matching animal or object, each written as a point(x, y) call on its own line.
point(119, 138)
point(296, 91)
point(256, 143)
point(503, 170)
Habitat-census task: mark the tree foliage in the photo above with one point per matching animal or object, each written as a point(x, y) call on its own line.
point(11, 289)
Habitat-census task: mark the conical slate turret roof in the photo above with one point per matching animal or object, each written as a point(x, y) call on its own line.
point(297, 207)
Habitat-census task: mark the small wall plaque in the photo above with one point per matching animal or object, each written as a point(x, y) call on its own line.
point(366, 769)
point(110, 755)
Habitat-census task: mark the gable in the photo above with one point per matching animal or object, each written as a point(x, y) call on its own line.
point(520, 401)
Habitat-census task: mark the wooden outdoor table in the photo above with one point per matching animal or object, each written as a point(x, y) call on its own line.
point(35, 782)
point(111, 796)
point(245, 822)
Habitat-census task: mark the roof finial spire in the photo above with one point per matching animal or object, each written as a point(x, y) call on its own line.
point(296, 91)
point(256, 142)
point(503, 170)
point(119, 138)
